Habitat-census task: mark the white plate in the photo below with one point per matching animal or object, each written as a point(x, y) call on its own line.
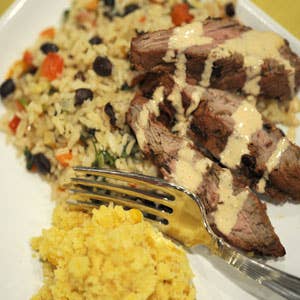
point(25, 206)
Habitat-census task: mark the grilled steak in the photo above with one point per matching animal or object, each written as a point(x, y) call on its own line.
point(268, 155)
point(212, 124)
point(234, 211)
point(222, 54)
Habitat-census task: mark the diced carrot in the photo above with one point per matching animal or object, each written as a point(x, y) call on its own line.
point(142, 19)
point(48, 33)
point(180, 14)
point(92, 5)
point(14, 123)
point(27, 58)
point(52, 66)
point(64, 158)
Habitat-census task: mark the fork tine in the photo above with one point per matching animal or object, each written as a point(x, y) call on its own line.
point(80, 194)
point(154, 197)
point(149, 182)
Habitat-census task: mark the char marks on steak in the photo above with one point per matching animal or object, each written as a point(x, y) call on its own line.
point(252, 230)
point(275, 80)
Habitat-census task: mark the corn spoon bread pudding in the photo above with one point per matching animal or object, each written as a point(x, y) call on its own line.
point(110, 254)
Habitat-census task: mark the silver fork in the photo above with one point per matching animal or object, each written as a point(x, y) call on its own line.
point(179, 214)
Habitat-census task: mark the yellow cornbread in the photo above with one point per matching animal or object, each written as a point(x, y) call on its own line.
point(111, 254)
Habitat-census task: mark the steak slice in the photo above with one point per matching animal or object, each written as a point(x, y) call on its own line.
point(213, 124)
point(276, 75)
point(234, 212)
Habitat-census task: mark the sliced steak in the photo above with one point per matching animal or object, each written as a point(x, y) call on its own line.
point(149, 49)
point(234, 211)
point(213, 124)
point(211, 66)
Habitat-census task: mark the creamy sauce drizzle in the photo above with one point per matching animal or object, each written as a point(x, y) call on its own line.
point(189, 169)
point(247, 121)
point(291, 133)
point(175, 97)
point(274, 159)
point(182, 38)
point(151, 107)
point(272, 163)
point(255, 47)
point(261, 185)
point(230, 206)
point(195, 99)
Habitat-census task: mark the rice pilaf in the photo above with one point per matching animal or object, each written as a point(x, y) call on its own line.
point(51, 129)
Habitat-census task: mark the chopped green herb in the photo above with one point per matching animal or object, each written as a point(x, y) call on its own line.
point(124, 153)
point(23, 102)
point(103, 157)
point(109, 159)
point(29, 158)
point(133, 151)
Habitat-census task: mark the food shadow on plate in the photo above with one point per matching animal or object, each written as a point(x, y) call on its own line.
point(246, 284)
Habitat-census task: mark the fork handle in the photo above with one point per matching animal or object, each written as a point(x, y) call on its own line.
point(282, 283)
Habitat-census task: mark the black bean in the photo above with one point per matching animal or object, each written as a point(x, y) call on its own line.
point(83, 94)
point(7, 87)
point(109, 110)
point(80, 76)
point(102, 66)
point(130, 8)
point(229, 9)
point(96, 40)
point(110, 3)
point(42, 163)
point(49, 47)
